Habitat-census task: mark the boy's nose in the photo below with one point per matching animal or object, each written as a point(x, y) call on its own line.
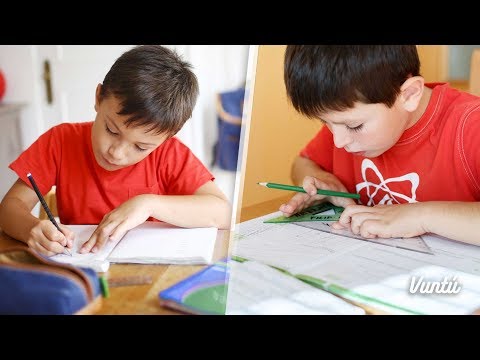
point(341, 138)
point(117, 152)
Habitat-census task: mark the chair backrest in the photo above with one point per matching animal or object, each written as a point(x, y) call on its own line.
point(51, 201)
point(475, 72)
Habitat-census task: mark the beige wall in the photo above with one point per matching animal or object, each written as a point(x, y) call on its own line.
point(277, 133)
point(475, 73)
point(433, 62)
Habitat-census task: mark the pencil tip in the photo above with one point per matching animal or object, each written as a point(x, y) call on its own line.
point(29, 174)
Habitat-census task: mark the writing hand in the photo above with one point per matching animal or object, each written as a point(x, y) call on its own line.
point(310, 184)
point(45, 238)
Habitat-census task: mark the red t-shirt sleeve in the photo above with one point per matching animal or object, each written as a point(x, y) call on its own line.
point(41, 159)
point(320, 149)
point(470, 149)
point(185, 173)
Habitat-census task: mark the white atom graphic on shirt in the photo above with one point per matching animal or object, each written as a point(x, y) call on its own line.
point(390, 197)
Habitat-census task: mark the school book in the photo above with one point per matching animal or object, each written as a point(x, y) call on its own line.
point(384, 278)
point(149, 243)
point(203, 293)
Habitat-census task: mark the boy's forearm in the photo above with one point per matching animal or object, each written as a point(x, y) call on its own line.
point(15, 219)
point(305, 167)
point(452, 219)
point(191, 210)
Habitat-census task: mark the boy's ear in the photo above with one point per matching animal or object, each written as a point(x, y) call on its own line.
point(97, 96)
point(411, 92)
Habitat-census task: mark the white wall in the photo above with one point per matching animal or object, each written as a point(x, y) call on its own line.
point(18, 65)
point(218, 68)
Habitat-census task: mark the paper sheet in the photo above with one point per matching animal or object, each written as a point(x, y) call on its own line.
point(321, 216)
point(98, 261)
point(160, 243)
point(150, 243)
point(255, 288)
point(354, 268)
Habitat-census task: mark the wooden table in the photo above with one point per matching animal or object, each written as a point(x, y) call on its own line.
point(263, 208)
point(143, 299)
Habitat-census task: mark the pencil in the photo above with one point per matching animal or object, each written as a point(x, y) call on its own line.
point(45, 207)
point(300, 189)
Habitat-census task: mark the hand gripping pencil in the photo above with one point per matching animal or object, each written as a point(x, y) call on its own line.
point(300, 189)
point(45, 207)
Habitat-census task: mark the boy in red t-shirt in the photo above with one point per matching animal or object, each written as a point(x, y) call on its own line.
point(123, 168)
point(410, 149)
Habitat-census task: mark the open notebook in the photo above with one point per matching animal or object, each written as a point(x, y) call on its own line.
point(148, 243)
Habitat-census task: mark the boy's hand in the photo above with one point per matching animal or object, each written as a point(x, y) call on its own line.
point(45, 238)
point(383, 221)
point(301, 201)
point(116, 223)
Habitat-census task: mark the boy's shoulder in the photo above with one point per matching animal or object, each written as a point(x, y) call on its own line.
point(173, 143)
point(66, 127)
point(453, 101)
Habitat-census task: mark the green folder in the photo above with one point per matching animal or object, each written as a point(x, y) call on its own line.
point(312, 213)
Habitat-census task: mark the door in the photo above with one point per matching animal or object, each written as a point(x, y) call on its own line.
point(71, 76)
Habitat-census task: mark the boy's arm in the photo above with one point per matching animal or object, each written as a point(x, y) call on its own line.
point(17, 221)
point(453, 219)
point(207, 207)
point(310, 176)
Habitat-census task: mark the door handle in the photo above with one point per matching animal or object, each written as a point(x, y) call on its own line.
point(47, 77)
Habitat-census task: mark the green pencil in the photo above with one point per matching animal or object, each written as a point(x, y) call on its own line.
point(300, 189)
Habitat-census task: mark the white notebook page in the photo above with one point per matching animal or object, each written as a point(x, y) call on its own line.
point(149, 243)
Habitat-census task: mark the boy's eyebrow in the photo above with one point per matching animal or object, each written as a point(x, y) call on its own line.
point(148, 144)
point(138, 142)
point(349, 121)
point(112, 122)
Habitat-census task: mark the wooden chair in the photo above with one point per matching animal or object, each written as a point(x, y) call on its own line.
point(475, 72)
point(51, 201)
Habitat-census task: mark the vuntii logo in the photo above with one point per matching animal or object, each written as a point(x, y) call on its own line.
point(447, 286)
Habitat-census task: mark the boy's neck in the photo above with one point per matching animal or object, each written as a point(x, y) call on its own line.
point(422, 106)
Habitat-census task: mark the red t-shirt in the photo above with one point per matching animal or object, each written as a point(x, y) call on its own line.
point(63, 156)
point(436, 159)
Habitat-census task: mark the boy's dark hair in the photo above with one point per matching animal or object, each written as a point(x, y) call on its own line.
point(325, 78)
point(155, 86)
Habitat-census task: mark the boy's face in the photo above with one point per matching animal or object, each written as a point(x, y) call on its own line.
point(367, 129)
point(116, 146)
